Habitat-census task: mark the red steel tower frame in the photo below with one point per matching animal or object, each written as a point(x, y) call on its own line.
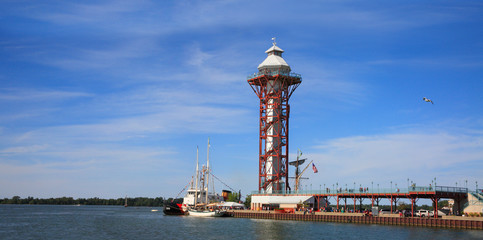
point(274, 88)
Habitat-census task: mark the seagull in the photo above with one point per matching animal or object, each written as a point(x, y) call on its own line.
point(428, 100)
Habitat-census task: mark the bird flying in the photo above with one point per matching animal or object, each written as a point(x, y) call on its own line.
point(428, 100)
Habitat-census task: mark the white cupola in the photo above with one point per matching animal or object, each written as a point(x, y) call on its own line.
point(274, 61)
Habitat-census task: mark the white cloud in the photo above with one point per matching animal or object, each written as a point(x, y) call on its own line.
point(196, 56)
point(176, 120)
point(191, 15)
point(23, 149)
point(89, 170)
point(66, 13)
point(419, 156)
point(119, 55)
point(437, 62)
point(334, 85)
point(24, 94)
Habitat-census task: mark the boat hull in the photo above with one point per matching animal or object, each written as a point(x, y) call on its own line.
point(173, 209)
point(216, 213)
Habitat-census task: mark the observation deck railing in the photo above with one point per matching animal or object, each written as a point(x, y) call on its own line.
point(274, 73)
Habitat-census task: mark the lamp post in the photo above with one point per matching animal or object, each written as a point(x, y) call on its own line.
point(354, 187)
point(435, 182)
point(391, 186)
point(466, 183)
point(337, 186)
point(476, 190)
point(372, 187)
point(408, 184)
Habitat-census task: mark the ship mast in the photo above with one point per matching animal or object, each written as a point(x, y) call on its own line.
point(207, 170)
point(297, 180)
point(197, 177)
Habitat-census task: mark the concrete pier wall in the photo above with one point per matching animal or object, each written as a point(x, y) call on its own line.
point(457, 223)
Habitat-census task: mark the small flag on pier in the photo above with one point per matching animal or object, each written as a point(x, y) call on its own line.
point(314, 168)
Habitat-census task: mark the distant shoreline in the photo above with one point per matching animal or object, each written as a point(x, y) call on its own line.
point(135, 202)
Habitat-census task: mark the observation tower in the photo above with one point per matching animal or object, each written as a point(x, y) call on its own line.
point(274, 83)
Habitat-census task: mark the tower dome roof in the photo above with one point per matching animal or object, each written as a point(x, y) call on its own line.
point(274, 59)
point(274, 48)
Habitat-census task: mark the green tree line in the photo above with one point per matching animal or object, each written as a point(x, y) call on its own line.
point(138, 201)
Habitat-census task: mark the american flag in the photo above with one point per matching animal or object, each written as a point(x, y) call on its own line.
point(314, 168)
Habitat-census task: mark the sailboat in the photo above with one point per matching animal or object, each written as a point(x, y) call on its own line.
point(203, 177)
point(194, 196)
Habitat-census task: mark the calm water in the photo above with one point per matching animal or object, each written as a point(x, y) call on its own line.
point(108, 222)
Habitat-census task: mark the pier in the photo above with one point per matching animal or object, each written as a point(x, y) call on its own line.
point(458, 194)
point(473, 223)
point(344, 197)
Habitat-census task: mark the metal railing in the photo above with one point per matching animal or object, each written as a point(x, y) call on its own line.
point(451, 189)
point(337, 191)
point(371, 191)
point(273, 73)
point(479, 192)
point(477, 196)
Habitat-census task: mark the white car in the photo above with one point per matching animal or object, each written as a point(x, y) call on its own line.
point(423, 213)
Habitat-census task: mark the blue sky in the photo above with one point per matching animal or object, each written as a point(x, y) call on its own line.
point(111, 98)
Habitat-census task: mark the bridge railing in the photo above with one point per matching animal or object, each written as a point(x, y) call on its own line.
point(451, 189)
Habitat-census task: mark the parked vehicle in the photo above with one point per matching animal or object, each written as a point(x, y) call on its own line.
point(407, 213)
point(422, 213)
